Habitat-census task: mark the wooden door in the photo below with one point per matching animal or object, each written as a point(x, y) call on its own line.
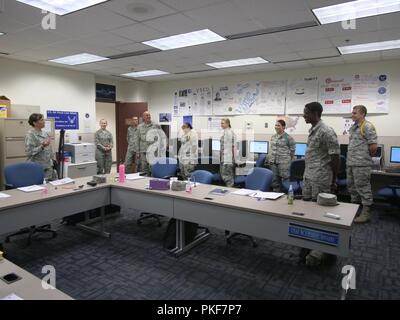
point(124, 113)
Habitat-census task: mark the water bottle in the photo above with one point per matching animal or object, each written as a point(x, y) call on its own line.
point(121, 171)
point(189, 186)
point(290, 195)
point(45, 190)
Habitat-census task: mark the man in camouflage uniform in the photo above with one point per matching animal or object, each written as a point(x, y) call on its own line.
point(227, 153)
point(281, 153)
point(130, 158)
point(362, 145)
point(38, 146)
point(145, 140)
point(321, 166)
point(104, 143)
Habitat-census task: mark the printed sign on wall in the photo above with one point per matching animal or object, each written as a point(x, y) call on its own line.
point(64, 119)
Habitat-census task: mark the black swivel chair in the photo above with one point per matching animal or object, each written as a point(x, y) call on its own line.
point(23, 175)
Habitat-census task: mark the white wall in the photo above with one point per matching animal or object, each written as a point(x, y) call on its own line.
point(50, 88)
point(161, 96)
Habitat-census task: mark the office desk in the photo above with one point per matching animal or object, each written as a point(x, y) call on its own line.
point(381, 179)
point(25, 209)
point(27, 288)
point(265, 219)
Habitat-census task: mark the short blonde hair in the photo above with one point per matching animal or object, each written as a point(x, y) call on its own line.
point(361, 108)
point(227, 121)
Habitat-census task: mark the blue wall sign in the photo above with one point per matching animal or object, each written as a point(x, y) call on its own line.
point(312, 234)
point(65, 119)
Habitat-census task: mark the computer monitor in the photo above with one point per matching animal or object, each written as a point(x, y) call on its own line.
point(259, 146)
point(395, 154)
point(343, 150)
point(216, 145)
point(300, 149)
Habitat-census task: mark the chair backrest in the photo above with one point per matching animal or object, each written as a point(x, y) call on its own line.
point(297, 169)
point(259, 179)
point(260, 160)
point(342, 169)
point(202, 176)
point(164, 167)
point(23, 174)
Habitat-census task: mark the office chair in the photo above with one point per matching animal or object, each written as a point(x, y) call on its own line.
point(259, 179)
point(23, 175)
point(202, 176)
point(240, 180)
point(161, 168)
point(390, 194)
point(341, 180)
point(296, 172)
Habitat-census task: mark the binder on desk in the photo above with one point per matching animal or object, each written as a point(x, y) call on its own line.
point(219, 191)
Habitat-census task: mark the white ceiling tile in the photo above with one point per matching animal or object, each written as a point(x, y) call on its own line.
point(327, 61)
point(390, 53)
point(9, 25)
point(132, 47)
point(363, 25)
point(184, 5)
point(294, 65)
point(313, 4)
point(224, 18)
point(82, 46)
point(90, 21)
point(301, 34)
point(175, 24)
point(139, 10)
point(361, 57)
point(105, 38)
point(306, 45)
point(389, 21)
point(20, 12)
point(139, 32)
point(283, 57)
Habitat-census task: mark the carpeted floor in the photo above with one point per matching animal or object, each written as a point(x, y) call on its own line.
point(134, 265)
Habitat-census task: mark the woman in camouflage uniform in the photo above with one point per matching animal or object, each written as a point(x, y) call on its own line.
point(228, 151)
point(38, 146)
point(188, 153)
point(104, 143)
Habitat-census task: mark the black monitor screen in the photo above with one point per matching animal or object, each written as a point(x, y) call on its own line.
point(300, 149)
point(259, 146)
point(105, 92)
point(395, 154)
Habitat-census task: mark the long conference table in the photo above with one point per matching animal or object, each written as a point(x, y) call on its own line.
point(269, 219)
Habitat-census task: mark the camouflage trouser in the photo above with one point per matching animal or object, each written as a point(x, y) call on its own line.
point(227, 172)
point(104, 161)
point(321, 183)
point(186, 170)
point(144, 165)
point(50, 174)
point(130, 159)
point(359, 184)
point(280, 172)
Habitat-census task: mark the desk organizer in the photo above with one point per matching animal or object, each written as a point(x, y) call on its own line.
point(159, 184)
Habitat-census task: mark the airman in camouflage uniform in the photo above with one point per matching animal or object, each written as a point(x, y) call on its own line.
point(132, 139)
point(144, 142)
point(38, 146)
point(188, 153)
point(228, 151)
point(321, 166)
point(104, 143)
point(362, 144)
point(281, 153)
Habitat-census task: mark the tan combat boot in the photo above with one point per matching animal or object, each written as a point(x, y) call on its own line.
point(364, 216)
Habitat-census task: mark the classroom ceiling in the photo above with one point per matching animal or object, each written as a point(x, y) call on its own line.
point(118, 27)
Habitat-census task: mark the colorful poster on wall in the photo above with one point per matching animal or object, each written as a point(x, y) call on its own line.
point(201, 101)
point(335, 94)
point(165, 117)
point(64, 119)
point(271, 99)
point(372, 91)
point(300, 92)
point(214, 124)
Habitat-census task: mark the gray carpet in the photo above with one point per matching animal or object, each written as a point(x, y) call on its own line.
point(133, 265)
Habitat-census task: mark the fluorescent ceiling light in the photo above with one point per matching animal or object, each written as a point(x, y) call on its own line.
point(2, 33)
point(373, 46)
point(146, 73)
point(79, 59)
point(185, 40)
point(355, 9)
point(237, 63)
point(61, 7)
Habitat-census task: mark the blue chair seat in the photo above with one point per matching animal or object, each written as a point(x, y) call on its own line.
point(240, 181)
point(217, 177)
point(388, 193)
point(202, 176)
point(296, 185)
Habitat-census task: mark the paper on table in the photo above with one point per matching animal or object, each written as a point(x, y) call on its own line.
point(133, 176)
point(11, 296)
point(31, 188)
point(4, 195)
point(266, 195)
point(244, 192)
point(61, 181)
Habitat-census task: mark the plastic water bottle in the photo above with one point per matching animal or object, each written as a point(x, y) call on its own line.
point(189, 186)
point(45, 190)
point(121, 171)
point(290, 195)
